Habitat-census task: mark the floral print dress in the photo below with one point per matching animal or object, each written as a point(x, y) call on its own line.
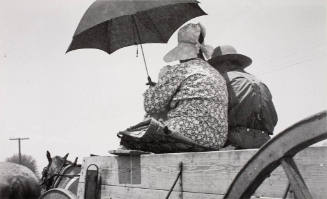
point(193, 99)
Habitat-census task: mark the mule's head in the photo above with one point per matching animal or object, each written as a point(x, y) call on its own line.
point(55, 165)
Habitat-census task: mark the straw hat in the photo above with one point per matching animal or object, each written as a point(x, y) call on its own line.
point(226, 52)
point(188, 44)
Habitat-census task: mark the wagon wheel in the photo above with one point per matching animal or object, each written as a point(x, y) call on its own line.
point(58, 193)
point(280, 151)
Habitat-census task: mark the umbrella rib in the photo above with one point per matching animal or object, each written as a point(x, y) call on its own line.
point(155, 27)
point(109, 35)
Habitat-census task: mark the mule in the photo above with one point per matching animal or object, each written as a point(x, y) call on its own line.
point(60, 173)
point(18, 182)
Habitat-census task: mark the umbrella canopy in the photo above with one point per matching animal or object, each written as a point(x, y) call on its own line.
point(109, 25)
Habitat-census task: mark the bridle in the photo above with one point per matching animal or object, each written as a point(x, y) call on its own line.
point(49, 182)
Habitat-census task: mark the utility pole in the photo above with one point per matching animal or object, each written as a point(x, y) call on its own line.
point(19, 147)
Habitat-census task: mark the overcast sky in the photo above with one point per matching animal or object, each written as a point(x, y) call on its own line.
point(77, 102)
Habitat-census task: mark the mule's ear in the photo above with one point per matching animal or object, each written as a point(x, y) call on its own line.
point(75, 162)
point(49, 156)
point(65, 157)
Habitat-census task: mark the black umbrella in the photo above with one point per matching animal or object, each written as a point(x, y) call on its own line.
point(109, 25)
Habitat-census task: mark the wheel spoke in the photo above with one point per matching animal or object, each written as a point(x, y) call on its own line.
point(295, 179)
point(286, 191)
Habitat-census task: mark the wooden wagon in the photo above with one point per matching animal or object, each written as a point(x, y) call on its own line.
point(285, 167)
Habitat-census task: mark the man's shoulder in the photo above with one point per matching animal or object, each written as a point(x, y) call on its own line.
point(244, 79)
point(239, 74)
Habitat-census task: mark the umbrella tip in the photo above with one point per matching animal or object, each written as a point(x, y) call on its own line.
point(68, 49)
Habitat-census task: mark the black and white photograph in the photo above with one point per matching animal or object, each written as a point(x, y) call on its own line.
point(163, 99)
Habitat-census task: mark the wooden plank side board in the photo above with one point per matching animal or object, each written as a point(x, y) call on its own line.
point(159, 171)
point(117, 192)
point(208, 172)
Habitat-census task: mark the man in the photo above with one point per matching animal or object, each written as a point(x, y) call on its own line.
point(251, 112)
point(190, 98)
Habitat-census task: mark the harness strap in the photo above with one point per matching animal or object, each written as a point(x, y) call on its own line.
point(62, 174)
point(57, 176)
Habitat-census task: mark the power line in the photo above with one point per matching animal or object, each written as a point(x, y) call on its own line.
point(19, 147)
point(309, 50)
point(305, 59)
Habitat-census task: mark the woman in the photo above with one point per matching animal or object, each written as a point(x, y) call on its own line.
point(191, 97)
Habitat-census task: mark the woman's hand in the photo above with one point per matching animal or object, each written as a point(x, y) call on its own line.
point(150, 82)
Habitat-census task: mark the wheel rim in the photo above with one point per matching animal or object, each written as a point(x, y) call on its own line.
point(283, 146)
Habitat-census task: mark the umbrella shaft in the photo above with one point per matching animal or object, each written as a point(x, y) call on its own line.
point(146, 67)
point(140, 42)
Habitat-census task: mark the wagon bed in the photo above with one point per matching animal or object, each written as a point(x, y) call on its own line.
point(206, 175)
